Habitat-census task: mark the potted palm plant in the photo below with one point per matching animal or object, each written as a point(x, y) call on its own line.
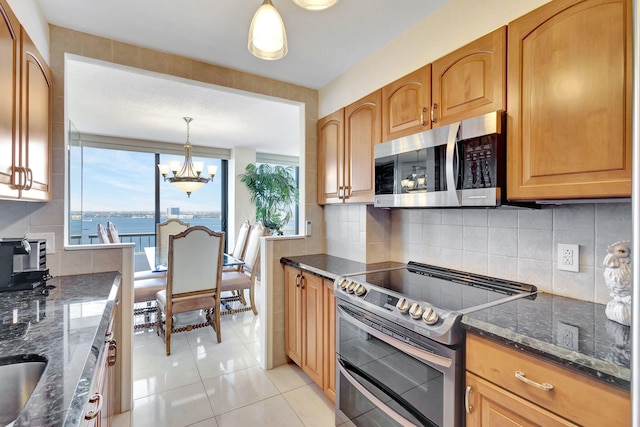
point(273, 190)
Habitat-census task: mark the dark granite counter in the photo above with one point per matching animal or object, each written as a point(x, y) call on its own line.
point(330, 267)
point(604, 347)
point(537, 326)
point(66, 325)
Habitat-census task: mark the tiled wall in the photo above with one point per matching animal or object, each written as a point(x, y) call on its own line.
point(516, 244)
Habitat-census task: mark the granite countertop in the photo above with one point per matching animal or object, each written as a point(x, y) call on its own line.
point(330, 267)
point(537, 326)
point(604, 346)
point(66, 325)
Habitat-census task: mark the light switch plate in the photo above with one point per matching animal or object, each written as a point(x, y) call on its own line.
point(49, 237)
point(307, 228)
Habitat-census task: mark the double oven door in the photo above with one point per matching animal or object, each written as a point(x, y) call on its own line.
point(390, 376)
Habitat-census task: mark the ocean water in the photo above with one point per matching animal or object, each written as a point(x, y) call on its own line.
point(81, 230)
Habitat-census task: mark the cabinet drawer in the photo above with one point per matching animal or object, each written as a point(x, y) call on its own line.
point(574, 396)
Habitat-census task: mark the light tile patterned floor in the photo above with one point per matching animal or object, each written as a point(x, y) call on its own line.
point(204, 383)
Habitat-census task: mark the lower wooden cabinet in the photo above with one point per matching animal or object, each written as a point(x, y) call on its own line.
point(506, 387)
point(310, 326)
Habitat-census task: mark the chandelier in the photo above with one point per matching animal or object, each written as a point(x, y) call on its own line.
point(187, 178)
point(267, 36)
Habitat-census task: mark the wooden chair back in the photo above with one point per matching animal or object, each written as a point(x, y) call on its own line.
point(195, 262)
point(114, 237)
point(241, 240)
point(252, 253)
point(163, 231)
point(103, 236)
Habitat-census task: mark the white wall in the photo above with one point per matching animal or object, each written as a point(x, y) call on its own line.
point(455, 24)
point(32, 19)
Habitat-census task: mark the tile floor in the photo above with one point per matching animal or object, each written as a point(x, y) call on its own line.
point(203, 383)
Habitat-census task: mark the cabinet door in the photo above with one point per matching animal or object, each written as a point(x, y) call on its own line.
point(405, 104)
point(331, 158)
point(569, 89)
point(293, 314)
point(489, 405)
point(329, 340)
point(362, 132)
point(9, 83)
point(312, 327)
point(470, 81)
point(35, 123)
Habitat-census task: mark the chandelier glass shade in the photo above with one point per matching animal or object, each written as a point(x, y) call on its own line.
point(267, 36)
point(315, 4)
point(188, 176)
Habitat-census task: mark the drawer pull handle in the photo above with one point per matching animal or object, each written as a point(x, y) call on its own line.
point(467, 394)
point(544, 386)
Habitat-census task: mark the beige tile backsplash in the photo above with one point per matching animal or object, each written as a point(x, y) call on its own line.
point(515, 244)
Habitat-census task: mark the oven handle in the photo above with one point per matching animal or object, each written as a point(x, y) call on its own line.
point(373, 399)
point(422, 355)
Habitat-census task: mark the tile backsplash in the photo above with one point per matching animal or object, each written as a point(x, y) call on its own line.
point(515, 244)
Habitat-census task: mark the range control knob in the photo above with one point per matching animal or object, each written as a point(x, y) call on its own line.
point(416, 311)
point(352, 287)
point(342, 283)
point(360, 290)
point(403, 306)
point(430, 316)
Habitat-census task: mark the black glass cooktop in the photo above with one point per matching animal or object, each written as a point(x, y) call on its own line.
point(448, 289)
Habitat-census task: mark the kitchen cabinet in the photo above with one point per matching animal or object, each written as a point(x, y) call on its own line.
point(345, 152)
point(509, 387)
point(570, 108)
point(9, 83)
point(470, 81)
point(330, 157)
point(310, 326)
point(25, 114)
point(100, 409)
point(406, 105)
point(304, 322)
point(329, 342)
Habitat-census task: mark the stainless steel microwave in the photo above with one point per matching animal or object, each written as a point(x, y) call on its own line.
point(458, 165)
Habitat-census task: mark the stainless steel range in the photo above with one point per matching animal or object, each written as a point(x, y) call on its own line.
point(399, 342)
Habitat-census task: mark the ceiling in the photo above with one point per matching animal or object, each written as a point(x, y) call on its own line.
point(116, 101)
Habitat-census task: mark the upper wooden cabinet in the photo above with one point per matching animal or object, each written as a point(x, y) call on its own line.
point(331, 158)
point(406, 105)
point(25, 114)
point(570, 106)
point(345, 152)
point(35, 124)
point(470, 81)
point(9, 83)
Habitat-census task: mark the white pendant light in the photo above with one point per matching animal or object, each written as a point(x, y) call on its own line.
point(267, 36)
point(315, 4)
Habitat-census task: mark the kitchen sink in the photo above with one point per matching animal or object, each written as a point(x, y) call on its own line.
point(19, 376)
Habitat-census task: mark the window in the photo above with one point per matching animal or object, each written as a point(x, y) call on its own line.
point(121, 185)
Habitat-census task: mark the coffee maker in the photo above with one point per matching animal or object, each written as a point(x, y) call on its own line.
point(23, 264)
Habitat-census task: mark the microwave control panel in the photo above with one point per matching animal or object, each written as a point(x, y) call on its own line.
point(479, 162)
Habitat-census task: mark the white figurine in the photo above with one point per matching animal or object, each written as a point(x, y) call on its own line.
point(617, 276)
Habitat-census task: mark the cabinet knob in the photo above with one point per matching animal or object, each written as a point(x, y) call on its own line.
point(112, 358)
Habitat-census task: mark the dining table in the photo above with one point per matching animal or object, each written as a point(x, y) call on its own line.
point(159, 265)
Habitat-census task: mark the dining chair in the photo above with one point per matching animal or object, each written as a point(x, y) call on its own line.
point(103, 236)
point(245, 277)
point(240, 245)
point(114, 237)
point(147, 283)
point(193, 282)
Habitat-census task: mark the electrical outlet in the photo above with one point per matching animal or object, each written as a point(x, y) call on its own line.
point(568, 257)
point(567, 336)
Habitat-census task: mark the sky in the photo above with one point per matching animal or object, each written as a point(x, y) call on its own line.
point(114, 180)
